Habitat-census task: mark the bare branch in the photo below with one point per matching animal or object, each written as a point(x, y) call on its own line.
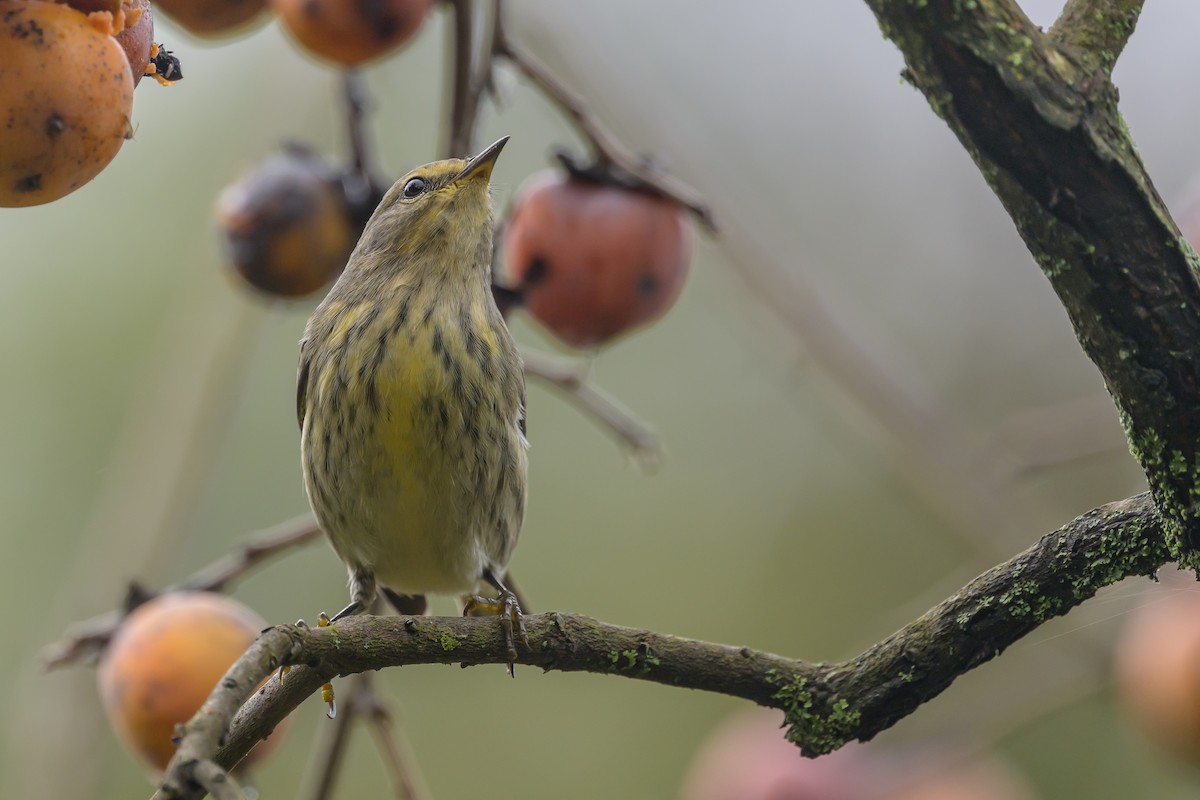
point(1097, 29)
point(571, 381)
point(361, 155)
point(263, 545)
point(89, 637)
point(825, 705)
point(468, 79)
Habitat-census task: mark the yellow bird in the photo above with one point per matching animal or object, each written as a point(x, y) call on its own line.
point(411, 399)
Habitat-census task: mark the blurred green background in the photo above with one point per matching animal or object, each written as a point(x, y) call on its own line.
point(868, 392)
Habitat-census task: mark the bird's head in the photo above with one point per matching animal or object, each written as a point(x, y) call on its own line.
point(441, 210)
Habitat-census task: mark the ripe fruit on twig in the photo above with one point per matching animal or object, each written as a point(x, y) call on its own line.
point(592, 261)
point(350, 34)
point(163, 662)
point(66, 99)
point(286, 225)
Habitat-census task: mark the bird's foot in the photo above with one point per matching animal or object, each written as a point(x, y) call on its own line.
point(508, 608)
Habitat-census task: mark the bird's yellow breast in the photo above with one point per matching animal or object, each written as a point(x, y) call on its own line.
point(413, 458)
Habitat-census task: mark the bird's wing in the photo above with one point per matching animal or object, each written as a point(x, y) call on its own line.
point(302, 383)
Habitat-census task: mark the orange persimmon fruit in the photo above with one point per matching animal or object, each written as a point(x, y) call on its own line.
point(66, 99)
point(163, 662)
point(351, 32)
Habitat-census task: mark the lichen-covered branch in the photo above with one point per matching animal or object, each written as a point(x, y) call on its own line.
point(825, 704)
point(1042, 124)
point(1097, 29)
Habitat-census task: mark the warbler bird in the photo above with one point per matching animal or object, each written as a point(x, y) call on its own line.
point(411, 399)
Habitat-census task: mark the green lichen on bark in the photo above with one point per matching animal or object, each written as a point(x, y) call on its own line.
point(816, 731)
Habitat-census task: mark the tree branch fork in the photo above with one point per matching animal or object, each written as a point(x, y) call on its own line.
point(825, 704)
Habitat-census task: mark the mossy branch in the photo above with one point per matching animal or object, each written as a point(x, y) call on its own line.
point(1039, 116)
point(825, 704)
point(1097, 29)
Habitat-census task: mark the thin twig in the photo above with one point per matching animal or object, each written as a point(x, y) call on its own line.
point(1035, 439)
point(571, 381)
point(90, 636)
point(263, 545)
point(606, 147)
point(468, 85)
point(355, 96)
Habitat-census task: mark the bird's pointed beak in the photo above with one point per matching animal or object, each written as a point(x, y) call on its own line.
point(481, 165)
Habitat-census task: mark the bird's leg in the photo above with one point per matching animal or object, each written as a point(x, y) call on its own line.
point(362, 593)
point(508, 607)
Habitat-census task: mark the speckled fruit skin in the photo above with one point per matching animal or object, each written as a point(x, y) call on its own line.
point(134, 30)
point(66, 99)
point(215, 18)
point(164, 661)
point(351, 32)
point(593, 261)
point(1157, 669)
point(286, 227)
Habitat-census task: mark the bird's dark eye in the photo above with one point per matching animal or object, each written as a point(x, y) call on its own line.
point(414, 187)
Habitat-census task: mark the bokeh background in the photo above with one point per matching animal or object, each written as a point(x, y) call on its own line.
point(868, 392)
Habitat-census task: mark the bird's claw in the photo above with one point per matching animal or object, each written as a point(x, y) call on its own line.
point(512, 622)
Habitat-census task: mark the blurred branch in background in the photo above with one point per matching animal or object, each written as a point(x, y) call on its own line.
point(825, 705)
point(360, 701)
point(572, 381)
point(933, 453)
point(1049, 436)
point(86, 639)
